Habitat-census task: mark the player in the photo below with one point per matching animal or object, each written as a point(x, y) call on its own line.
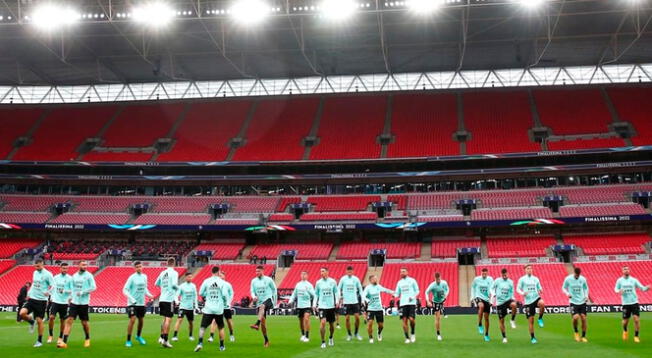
point(350, 290)
point(228, 310)
point(135, 289)
point(83, 284)
point(530, 288)
point(326, 292)
point(373, 300)
point(212, 290)
point(577, 290)
point(626, 287)
point(188, 303)
point(408, 290)
point(303, 295)
point(439, 290)
point(480, 294)
point(502, 292)
point(33, 311)
point(168, 281)
point(263, 293)
point(59, 301)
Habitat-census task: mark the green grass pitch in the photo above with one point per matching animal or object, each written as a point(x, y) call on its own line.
point(461, 339)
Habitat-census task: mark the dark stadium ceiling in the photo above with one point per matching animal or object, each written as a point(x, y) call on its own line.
point(464, 34)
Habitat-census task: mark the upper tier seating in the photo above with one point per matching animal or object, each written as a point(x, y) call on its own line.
point(424, 274)
point(573, 111)
point(395, 250)
point(10, 247)
point(518, 247)
point(63, 131)
point(286, 201)
point(146, 249)
point(347, 216)
point(609, 244)
point(173, 219)
point(633, 105)
point(512, 213)
point(448, 248)
point(277, 129)
point(335, 270)
point(23, 217)
point(112, 279)
point(90, 218)
point(12, 280)
point(221, 251)
point(602, 277)
point(305, 251)
point(602, 210)
point(281, 217)
point(585, 143)
point(238, 275)
point(423, 125)
point(15, 122)
point(551, 277)
point(482, 112)
point(342, 202)
point(349, 126)
point(205, 132)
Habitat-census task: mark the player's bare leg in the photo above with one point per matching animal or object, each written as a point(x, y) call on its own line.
point(438, 325)
point(357, 326)
point(637, 327)
point(480, 313)
point(263, 329)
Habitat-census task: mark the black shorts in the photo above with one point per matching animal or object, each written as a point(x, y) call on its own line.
point(189, 314)
point(502, 308)
point(352, 309)
point(438, 307)
point(268, 306)
point(487, 305)
point(59, 309)
point(377, 316)
point(166, 309)
point(137, 311)
point(327, 314)
point(36, 307)
point(408, 311)
point(531, 309)
point(631, 310)
point(578, 309)
point(302, 312)
point(207, 320)
point(228, 313)
point(80, 311)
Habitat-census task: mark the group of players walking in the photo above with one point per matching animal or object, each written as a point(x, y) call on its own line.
point(69, 296)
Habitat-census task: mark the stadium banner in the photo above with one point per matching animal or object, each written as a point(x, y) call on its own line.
point(552, 153)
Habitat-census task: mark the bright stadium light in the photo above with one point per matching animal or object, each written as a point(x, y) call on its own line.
point(154, 14)
point(49, 17)
point(531, 4)
point(250, 12)
point(423, 7)
point(337, 10)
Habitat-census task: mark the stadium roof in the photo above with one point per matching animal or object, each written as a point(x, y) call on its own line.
point(382, 37)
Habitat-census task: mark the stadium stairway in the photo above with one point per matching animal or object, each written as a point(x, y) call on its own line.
point(279, 275)
point(245, 253)
point(313, 130)
point(484, 252)
point(426, 251)
point(466, 276)
point(333, 255)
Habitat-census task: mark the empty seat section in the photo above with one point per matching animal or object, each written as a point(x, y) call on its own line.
point(15, 123)
point(500, 247)
point(10, 247)
point(113, 204)
point(511, 213)
point(399, 201)
point(394, 250)
point(634, 106)
point(205, 132)
point(551, 277)
point(585, 143)
point(111, 280)
point(448, 248)
point(342, 202)
point(606, 244)
point(424, 274)
point(349, 127)
point(173, 219)
point(63, 131)
point(15, 278)
point(286, 201)
point(238, 275)
point(23, 218)
point(29, 202)
point(251, 204)
point(346, 216)
point(317, 251)
point(439, 218)
point(498, 122)
point(602, 210)
point(423, 125)
point(277, 129)
point(225, 251)
point(90, 218)
point(281, 217)
point(567, 112)
point(5, 265)
point(596, 194)
point(602, 277)
point(335, 270)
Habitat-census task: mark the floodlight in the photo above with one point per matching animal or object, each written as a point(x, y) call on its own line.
point(338, 10)
point(50, 17)
point(531, 4)
point(423, 7)
point(154, 14)
point(250, 12)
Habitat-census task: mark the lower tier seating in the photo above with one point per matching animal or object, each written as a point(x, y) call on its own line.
point(5, 265)
point(317, 251)
point(606, 244)
point(424, 274)
point(10, 247)
point(448, 248)
point(395, 250)
point(602, 277)
point(498, 247)
point(226, 251)
point(335, 269)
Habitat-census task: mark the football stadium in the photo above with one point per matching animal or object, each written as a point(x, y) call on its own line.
point(318, 178)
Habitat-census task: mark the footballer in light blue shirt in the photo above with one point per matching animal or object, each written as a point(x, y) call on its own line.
point(530, 288)
point(439, 290)
point(265, 297)
point(407, 291)
point(59, 300)
point(350, 290)
point(135, 289)
point(626, 287)
point(188, 303)
point(42, 284)
point(83, 284)
point(303, 295)
point(371, 296)
point(168, 281)
point(576, 289)
point(481, 294)
point(326, 293)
